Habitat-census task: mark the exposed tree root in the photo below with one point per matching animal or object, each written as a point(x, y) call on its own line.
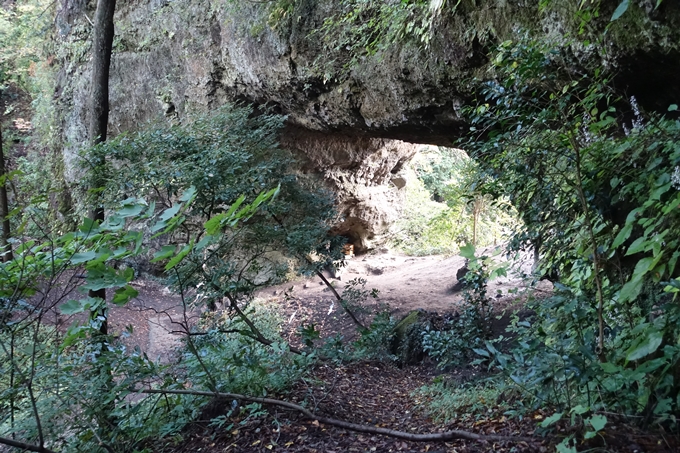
point(431, 437)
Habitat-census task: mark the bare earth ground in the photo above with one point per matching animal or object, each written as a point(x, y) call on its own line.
point(371, 393)
point(404, 283)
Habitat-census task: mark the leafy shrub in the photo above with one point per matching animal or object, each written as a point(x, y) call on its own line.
point(454, 343)
point(234, 362)
point(229, 158)
point(449, 400)
point(596, 196)
point(374, 342)
point(84, 385)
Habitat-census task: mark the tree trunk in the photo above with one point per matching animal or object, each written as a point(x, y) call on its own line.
point(5, 247)
point(101, 63)
point(99, 112)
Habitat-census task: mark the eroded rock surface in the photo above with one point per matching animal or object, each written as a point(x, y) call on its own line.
point(172, 58)
point(361, 172)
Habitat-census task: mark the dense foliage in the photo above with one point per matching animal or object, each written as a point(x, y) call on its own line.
point(595, 183)
point(229, 157)
point(444, 208)
point(225, 205)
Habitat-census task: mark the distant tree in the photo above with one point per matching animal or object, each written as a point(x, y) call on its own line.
point(5, 247)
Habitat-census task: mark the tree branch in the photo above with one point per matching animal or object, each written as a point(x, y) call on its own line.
point(256, 332)
point(431, 437)
point(24, 446)
point(326, 282)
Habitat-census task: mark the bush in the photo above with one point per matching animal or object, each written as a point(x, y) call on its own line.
point(234, 362)
point(597, 200)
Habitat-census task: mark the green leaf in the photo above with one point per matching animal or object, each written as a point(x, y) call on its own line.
point(188, 195)
point(639, 245)
point(672, 204)
point(467, 251)
point(71, 307)
point(24, 247)
point(645, 346)
point(618, 12)
point(89, 226)
point(170, 212)
point(672, 107)
point(643, 266)
point(232, 209)
point(481, 352)
point(630, 290)
point(598, 422)
point(633, 214)
point(564, 447)
point(131, 210)
point(165, 252)
point(123, 295)
point(656, 195)
point(622, 236)
point(579, 410)
point(213, 225)
point(552, 419)
point(102, 277)
point(610, 368)
point(73, 334)
point(180, 256)
point(79, 258)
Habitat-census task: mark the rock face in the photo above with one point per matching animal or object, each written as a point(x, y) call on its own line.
point(350, 121)
point(361, 171)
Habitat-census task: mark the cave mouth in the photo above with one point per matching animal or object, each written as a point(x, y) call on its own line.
point(438, 210)
point(651, 77)
point(417, 207)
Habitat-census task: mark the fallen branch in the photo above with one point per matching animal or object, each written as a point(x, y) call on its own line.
point(24, 446)
point(432, 437)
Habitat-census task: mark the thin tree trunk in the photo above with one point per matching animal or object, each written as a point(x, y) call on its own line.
point(102, 46)
point(5, 247)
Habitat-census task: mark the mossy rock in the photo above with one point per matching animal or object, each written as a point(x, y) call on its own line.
point(407, 343)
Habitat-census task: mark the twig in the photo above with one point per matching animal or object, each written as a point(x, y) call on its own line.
point(431, 437)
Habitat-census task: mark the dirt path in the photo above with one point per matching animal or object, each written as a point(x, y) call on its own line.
point(156, 316)
point(371, 393)
point(404, 283)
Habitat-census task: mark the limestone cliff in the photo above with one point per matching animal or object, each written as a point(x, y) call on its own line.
point(349, 115)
